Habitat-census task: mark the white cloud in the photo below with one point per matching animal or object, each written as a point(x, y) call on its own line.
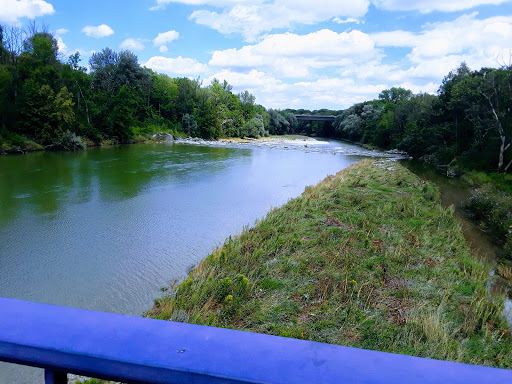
point(176, 66)
point(436, 50)
point(467, 38)
point(331, 69)
point(102, 30)
point(132, 45)
point(427, 6)
point(251, 18)
point(320, 93)
point(291, 55)
point(13, 10)
point(337, 20)
point(164, 38)
point(61, 31)
point(63, 48)
point(252, 79)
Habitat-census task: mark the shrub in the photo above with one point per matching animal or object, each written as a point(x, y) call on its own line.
point(70, 142)
point(493, 208)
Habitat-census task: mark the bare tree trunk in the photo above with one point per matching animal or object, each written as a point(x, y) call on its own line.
point(502, 151)
point(85, 103)
point(508, 166)
point(501, 132)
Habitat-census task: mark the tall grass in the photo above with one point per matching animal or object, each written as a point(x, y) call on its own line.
point(367, 258)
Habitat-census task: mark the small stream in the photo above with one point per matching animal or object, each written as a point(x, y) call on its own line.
point(455, 192)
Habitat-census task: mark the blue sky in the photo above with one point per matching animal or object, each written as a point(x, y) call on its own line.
point(288, 53)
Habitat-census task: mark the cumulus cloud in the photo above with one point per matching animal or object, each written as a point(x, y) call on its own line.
point(465, 38)
point(436, 50)
point(61, 31)
point(251, 18)
point(100, 31)
point(272, 92)
point(330, 69)
point(63, 48)
point(427, 6)
point(132, 45)
point(337, 20)
point(292, 55)
point(164, 38)
point(176, 66)
point(13, 10)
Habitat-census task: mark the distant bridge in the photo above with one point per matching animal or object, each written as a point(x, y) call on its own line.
point(315, 117)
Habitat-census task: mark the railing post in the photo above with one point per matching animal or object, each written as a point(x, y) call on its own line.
point(52, 377)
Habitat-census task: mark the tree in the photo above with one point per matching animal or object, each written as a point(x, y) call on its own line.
point(164, 94)
point(254, 128)
point(189, 125)
point(46, 116)
point(293, 122)
point(278, 124)
point(395, 95)
point(495, 87)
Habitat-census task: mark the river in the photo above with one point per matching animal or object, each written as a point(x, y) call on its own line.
point(106, 228)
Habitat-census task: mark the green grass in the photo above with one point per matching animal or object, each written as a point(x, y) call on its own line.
point(367, 258)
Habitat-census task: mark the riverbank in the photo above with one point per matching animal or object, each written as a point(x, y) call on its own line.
point(17, 144)
point(367, 258)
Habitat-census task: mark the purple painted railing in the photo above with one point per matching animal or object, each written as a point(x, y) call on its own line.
point(138, 350)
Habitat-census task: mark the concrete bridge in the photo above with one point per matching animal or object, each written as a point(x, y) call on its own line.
point(315, 117)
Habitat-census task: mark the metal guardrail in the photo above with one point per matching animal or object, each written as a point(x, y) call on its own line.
point(138, 350)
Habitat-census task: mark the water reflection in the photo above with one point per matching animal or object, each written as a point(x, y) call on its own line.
point(43, 183)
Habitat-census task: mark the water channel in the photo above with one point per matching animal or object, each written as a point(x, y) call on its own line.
point(455, 192)
point(106, 228)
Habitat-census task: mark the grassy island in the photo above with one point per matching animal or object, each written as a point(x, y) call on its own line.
point(367, 258)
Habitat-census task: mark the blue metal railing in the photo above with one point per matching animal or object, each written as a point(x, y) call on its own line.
point(138, 350)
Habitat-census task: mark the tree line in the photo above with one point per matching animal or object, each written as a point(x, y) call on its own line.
point(49, 101)
point(467, 124)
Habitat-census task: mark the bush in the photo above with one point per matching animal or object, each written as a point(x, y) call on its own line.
point(493, 208)
point(254, 128)
point(70, 142)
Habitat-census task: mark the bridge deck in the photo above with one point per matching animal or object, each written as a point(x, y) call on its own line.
point(315, 117)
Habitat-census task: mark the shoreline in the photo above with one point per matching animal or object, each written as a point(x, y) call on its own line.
point(294, 141)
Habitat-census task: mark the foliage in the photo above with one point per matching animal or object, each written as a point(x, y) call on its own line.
point(69, 141)
point(254, 128)
point(48, 101)
point(492, 207)
point(469, 121)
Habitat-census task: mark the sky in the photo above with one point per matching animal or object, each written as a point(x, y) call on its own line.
point(308, 54)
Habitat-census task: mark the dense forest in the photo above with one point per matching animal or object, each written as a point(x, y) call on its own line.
point(49, 101)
